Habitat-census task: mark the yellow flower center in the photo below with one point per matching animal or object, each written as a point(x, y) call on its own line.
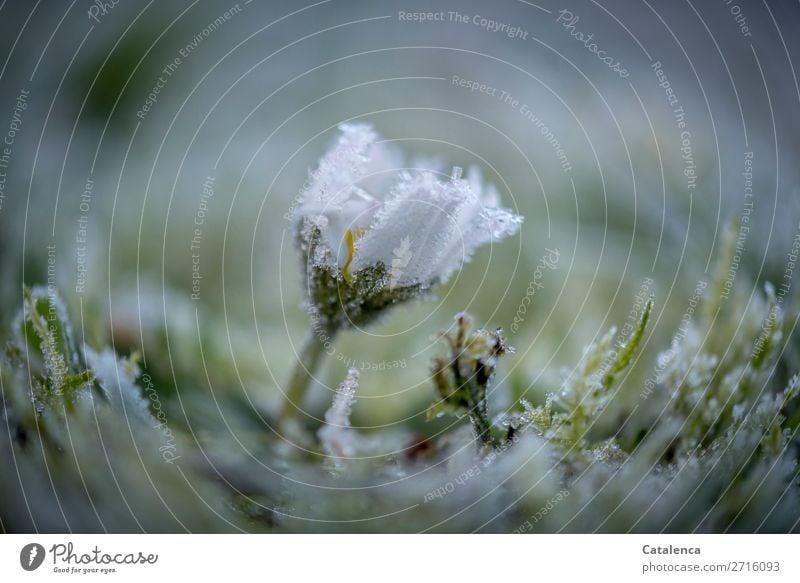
point(350, 238)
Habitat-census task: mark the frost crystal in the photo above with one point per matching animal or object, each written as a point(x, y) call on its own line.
point(372, 211)
point(117, 378)
point(337, 437)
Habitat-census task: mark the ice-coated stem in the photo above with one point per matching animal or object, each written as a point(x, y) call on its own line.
point(307, 362)
point(482, 429)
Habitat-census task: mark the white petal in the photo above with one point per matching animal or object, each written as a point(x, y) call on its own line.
point(339, 169)
point(482, 222)
point(429, 228)
point(422, 229)
point(418, 222)
point(346, 189)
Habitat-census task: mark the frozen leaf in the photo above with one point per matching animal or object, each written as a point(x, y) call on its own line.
point(626, 353)
point(44, 338)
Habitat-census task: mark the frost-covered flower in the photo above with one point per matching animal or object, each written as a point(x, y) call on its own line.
point(370, 223)
point(375, 232)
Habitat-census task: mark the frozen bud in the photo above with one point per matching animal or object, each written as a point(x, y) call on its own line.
point(462, 377)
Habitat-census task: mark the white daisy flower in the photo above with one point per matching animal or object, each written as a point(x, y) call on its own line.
point(372, 211)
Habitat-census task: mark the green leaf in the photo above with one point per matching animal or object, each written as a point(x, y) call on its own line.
point(625, 355)
point(770, 331)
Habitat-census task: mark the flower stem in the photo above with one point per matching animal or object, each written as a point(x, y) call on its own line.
point(482, 428)
point(307, 362)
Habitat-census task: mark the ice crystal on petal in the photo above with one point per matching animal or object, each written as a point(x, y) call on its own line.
point(444, 221)
point(344, 191)
point(423, 210)
point(339, 169)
